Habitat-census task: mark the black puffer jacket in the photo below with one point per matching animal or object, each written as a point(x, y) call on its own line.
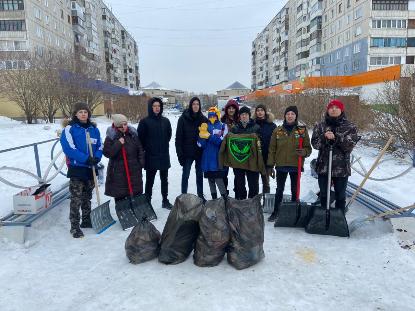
point(187, 134)
point(155, 133)
point(116, 184)
point(267, 126)
point(346, 139)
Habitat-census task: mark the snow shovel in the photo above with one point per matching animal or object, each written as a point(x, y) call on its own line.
point(359, 222)
point(133, 209)
point(327, 221)
point(293, 214)
point(101, 218)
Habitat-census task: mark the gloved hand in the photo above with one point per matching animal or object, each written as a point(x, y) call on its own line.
point(181, 160)
point(301, 152)
point(203, 131)
point(271, 172)
point(92, 161)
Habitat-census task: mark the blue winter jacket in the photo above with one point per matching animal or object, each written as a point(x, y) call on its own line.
point(75, 146)
point(211, 147)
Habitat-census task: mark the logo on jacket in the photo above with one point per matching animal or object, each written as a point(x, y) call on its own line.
point(240, 148)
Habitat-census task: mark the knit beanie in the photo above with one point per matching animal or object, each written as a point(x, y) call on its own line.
point(245, 109)
point(337, 103)
point(119, 119)
point(293, 109)
point(80, 106)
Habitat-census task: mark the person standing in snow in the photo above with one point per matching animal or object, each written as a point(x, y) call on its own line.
point(122, 135)
point(80, 164)
point(187, 150)
point(265, 120)
point(339, 132)
point(155, 133)
point(283, 153)
point(211, 135)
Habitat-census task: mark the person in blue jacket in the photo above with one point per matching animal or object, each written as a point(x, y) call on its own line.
point(80, 164)
point(210, 138)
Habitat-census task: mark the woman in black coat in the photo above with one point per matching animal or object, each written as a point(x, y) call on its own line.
point(121, 135)
point(155, 133)
point(187, 150)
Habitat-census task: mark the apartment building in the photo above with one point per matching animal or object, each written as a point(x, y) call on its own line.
point(333, 37)
point(33, 25)
point(120, 52)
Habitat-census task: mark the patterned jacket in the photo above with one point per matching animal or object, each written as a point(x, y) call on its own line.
point(346, 138)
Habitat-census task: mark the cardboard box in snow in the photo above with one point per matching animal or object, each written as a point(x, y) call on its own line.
point(32, 200)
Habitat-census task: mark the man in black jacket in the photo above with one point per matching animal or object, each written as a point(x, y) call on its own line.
point(187, 149)
point(155, 133)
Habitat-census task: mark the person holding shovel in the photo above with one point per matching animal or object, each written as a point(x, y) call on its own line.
point(339, 132)
point(284, 151)
point(122, 135)
point(80, 163)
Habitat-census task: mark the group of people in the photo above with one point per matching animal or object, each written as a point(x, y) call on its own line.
point(252, 146)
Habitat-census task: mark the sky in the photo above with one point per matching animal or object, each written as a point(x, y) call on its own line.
point(199, 46)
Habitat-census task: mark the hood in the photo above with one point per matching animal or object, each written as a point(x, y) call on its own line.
point(269, 117)
point(150, 106)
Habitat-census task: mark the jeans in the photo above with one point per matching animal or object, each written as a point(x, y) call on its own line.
point(150, 175)
point(340, 185)
point(199, 175)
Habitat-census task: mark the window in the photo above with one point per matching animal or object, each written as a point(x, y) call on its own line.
point(348, 19)
point(346, 52)
point(411, 42)
point(356, 65)
point(345, 68)
point(356, 48)
point(347, 35)
point(385, 60)
point(338, 55)
point(358, 13)
point(388, 5)
point(37, 13)
point(340, 8)
point(348, 3)
point(11, 5)
point(388, 42)
point(12, 25)
point(358, 31)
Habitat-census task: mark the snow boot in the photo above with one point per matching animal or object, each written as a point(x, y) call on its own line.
point(214, 196)
point(166, 204)
point(76, 232)
point(86, 223)
point(272, 217)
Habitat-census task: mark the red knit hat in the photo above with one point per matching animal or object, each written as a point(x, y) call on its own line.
point(336, 103)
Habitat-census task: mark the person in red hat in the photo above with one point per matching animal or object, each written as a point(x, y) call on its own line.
point(334, 130)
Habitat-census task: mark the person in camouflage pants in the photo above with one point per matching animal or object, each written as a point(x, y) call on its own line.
point(81, 195)
point(335, 129)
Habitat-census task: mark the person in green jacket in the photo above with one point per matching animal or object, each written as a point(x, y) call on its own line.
point(283, 153)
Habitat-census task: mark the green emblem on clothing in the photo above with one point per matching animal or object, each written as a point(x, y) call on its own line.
point(240, 148)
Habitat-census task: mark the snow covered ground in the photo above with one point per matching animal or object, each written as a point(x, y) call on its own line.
point(369, 271)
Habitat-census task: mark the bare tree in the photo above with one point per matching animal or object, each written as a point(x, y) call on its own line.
point(133, 107)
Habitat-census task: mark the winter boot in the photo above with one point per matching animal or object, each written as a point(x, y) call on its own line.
point(76, 232)
point(86, 223)
point(273, 215)
point(214, 195)
point(203, 198)
point(166, 204)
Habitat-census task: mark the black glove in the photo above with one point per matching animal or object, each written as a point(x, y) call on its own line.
point(92, 161)
point(181, 160)
point(301, 152)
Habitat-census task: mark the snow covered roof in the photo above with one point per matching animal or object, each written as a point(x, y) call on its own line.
point(155, 86)
point(236, 86)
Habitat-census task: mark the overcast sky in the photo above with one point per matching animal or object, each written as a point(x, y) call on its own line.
point(195, 45)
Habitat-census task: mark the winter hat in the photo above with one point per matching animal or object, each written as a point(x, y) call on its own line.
point(337, 103)
point(80, 106)
point(293, 109)
point(245, 109)
point(261, 106)
point(119, 119)
point(213, 112)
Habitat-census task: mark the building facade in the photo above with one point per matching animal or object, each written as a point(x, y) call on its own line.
point(236, 89)
point(333, 37)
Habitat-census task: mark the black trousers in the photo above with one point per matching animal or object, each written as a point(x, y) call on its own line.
point(281, 179)
point(340, 185)
point(150, 175)
point(253, 183)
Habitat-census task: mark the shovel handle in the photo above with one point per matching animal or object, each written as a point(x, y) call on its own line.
point(299, 164)
point(91, 153)
point(127, 170)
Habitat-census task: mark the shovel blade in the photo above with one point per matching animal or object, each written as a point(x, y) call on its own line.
point(292, 214)
point(132, 210)
point(101, 218)
point(269, 201)
point(332, 222)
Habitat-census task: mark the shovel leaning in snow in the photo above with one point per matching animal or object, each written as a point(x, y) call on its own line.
point(324, 220)
point(358, 222)
point(293, 214)
point(133, 209)
point(101, 218)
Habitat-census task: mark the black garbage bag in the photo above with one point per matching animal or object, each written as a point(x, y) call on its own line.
point(181, 229)
point(246, 222)
point(143, 243)
point(214, 234)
